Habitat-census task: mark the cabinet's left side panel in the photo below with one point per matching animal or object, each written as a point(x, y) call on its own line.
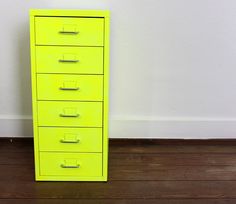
point(34, 95)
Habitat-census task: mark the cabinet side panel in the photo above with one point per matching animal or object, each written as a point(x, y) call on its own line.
point(106, 96)
point(34, 95)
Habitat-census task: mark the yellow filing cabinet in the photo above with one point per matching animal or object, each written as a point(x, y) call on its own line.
point(70, 74)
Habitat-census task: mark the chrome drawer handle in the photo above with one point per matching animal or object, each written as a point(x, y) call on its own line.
point(64, 60)
point(69, 88)
point(70, 166)
point(69, 115)
point(69, 32)
point(69, 141)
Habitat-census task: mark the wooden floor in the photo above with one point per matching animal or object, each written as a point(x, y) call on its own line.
point(146, 172)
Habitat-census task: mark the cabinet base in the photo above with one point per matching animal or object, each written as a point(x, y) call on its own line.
point(69, 178)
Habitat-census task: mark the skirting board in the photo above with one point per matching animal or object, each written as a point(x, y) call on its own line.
point(140, 127)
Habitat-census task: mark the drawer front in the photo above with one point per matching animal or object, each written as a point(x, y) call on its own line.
point(70, 87)
point(70, 164)
point(79, 60)
point(70, 139)
point(71, 114)
point(69, 31)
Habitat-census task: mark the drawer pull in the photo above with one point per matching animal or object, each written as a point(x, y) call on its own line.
point(69, 141)
point(65, 60)
point(69, 88)
point(70, 166)
point(69, 32)
point(69, 115)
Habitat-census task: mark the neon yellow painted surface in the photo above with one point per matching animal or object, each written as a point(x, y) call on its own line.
point(70, 87)
point(71, 164)
point(70, 13)
point(69, 31)
point(79, 60)
point(71, 114)
point(70, 45)
point(70, 139)
point(106, 94)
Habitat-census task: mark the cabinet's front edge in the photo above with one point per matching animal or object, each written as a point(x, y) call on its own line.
point(34, 95)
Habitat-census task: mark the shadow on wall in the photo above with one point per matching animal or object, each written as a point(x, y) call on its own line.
point(24, 80)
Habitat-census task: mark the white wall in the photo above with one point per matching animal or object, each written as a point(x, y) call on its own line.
point(173, 67)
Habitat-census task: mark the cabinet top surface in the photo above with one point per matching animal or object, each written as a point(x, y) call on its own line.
point(82, 13)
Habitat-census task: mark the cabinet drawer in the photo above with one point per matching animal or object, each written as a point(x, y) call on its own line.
point(70, 164)
point(70, 87)
point(69, 31)
point(77, 114)
point(79, 60)
point(70, 139)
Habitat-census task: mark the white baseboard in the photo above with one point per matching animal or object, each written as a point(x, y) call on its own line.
point(173, 128)
point(16, 126)
point(140, 127)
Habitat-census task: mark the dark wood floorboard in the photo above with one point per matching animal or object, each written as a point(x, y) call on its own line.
point(120, 189)
point(117, 201)
point(147, 171)
point(130, 159)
